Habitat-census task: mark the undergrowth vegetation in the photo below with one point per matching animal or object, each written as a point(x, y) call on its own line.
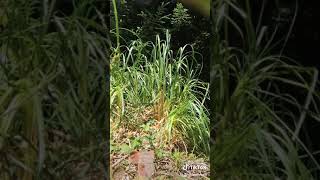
point(157, 100)
point(260, 101)
point(163, 85)
point(52, 93)
point(260, 98)
point(54, 105)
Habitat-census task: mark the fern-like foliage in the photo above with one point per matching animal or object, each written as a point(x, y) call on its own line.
point(180, 16)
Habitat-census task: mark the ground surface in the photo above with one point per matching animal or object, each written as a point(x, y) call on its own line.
point(168, 160)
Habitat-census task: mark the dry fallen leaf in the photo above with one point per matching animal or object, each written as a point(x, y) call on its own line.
point(145, 162)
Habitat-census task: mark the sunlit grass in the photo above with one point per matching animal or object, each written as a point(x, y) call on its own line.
point(153, 75)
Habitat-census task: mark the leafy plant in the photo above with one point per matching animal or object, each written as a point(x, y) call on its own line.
point(153, 22)
point(180, 16)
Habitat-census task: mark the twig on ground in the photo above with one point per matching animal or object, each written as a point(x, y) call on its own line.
point(121, 159)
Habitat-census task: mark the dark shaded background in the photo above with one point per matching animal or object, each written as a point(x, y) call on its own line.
point(302, 45)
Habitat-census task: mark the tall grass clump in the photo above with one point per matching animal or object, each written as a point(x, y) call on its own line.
point(260, 100)
point(152, 76)
point(52, 93)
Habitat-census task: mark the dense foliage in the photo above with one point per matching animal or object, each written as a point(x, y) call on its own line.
point(261, 100)
point(52, 92)
point(175, 78)
point(184, 26)
point(157, 98)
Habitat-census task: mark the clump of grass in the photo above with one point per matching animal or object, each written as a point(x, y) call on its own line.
point(256, 115)
point(52, 93)
point(152, 75)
